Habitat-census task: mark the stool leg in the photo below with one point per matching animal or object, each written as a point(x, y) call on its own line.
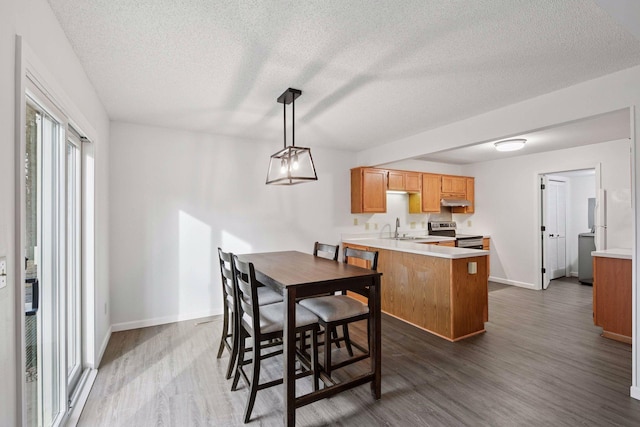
point(234, 345)
point(225, 330)
point(241, 353)
point(347, 340)
point(255, 380)
point(327, 350)
point(314, 358)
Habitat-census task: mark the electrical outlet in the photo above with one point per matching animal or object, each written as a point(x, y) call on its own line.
point(375, 225)
point(412, 225)
point(472, 267)
point(469, 223)
point(355, 221)
point(422, 224)
point(3, 272)
point(366, 225)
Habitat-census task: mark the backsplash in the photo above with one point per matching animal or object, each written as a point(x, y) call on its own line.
point(383, 224)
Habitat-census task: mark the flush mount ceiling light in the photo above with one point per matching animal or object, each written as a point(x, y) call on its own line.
point(291, 165)
point(510, 144)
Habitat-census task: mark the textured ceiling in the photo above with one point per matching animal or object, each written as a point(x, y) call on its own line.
point(370, 72)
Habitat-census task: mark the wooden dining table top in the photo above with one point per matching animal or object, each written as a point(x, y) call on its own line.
point(292, 268)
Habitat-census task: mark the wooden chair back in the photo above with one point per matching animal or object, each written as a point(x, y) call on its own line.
point(330, 250)
point(227, 274)
point(370, 256)
point(247, 294)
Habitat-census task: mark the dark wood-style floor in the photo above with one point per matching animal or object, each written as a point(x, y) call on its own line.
point(541, 362)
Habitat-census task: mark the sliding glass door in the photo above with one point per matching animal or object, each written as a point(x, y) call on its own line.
point(74, 262)
point(53, 253)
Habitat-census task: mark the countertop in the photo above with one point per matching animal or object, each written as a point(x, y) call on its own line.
point(613, 253)
point(415, 247)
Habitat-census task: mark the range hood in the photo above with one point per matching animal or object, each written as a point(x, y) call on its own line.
point(454, 202)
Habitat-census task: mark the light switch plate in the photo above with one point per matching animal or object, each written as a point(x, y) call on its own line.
point(3, 272)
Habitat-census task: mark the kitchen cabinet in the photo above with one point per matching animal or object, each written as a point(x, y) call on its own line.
point(612, 297)
point(403, 181)
point(469, 194)
point(435, 294)
point(428, 200)
point(454, 187)
point(368, 190)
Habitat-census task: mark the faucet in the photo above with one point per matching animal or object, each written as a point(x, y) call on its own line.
point(395, 234)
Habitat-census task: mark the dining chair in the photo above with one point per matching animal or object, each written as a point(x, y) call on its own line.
point(229, 321)
point(326, 251)
point(340, 310)
point(265, 323)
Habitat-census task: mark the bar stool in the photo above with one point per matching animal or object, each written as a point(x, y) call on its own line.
point(229, 322)
point(266, 323)
point(330, 251)
point(340, 310)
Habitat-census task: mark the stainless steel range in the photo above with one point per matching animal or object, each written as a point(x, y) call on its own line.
point(448, 229)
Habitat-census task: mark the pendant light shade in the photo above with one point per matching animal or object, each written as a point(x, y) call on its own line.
point(291, 165)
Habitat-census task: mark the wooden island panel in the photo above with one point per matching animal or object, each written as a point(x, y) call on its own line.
point(435, 294)
point(469, 296)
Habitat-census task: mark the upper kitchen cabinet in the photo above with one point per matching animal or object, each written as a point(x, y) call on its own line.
point(428, 200)
point(469, 194)
point(368, 190)
point(454, 187)
point(403, 181)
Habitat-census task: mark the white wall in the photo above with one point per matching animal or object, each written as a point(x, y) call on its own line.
point(177, 196)
point(34, 20)
point(507, 205)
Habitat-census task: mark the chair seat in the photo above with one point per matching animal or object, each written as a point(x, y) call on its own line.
point(272, 317)
point(268, 296)
point(335, 307)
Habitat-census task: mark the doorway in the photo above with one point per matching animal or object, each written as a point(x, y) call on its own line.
point(566, 220)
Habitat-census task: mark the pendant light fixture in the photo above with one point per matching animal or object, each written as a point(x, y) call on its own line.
point(291, 165)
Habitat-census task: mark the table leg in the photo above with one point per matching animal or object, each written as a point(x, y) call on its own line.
point(289, 338)
point(375, 336)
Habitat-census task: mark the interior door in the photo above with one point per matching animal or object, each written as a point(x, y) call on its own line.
point(544, 232)
point(554, 239)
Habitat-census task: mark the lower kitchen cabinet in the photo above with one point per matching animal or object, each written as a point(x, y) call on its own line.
point(435, 294)
point(612, 297)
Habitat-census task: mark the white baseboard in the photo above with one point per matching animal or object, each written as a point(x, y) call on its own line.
point(573, 274)
point(512, 282)
point(103, 347)
point(635, 392)
point(145, 323)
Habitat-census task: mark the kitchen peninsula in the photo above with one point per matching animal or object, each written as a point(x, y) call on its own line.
point(431, 285)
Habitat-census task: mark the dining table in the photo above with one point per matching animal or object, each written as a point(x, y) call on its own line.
point(299, 275)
